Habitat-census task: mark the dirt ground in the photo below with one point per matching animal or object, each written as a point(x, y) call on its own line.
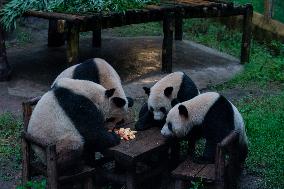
point(137, 60)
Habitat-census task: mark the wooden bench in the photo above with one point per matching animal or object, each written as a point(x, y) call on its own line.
point(222, 174)
point(32, 168)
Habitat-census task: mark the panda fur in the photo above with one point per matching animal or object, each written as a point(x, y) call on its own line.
point(210, 116)
point(71, 115)
point(99, 71)
point(167, 92)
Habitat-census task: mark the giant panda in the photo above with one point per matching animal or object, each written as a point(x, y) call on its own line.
point(99, 71)
point(72, 116)
point(170, 90)
point(208, 115)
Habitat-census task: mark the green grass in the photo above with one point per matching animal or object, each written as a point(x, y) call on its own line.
point(264, 118)
point(258, 6)
point(10, 156)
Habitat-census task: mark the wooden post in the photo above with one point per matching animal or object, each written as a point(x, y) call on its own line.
point(5, 69)
point(51, 167)
point(167, 51)
point(268, 9)
point(55, 38)
point(88, 183)
point(26, 175)
point(72, 43)
point(178, 27)
point(97, 38)
point(131, 177)
point(246, 38)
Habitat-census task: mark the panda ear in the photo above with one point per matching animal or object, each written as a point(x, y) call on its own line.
point(183, 111)
point(147, 90)
point(119, 102)
point(168, 91)
point(130, 101)
point(109, 92)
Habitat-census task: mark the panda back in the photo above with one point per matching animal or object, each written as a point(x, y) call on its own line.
point(187, 90)
point(86, 117)
point(87, 70)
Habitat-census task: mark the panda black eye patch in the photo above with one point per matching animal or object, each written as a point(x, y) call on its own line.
point(111, 119)
point(163, 109)
point(151, 109)
point(170, 126)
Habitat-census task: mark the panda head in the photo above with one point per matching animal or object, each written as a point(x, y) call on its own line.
point(178, 122)
point(159, 103)
point(117, 109)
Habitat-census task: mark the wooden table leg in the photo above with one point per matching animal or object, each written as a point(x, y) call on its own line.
point(178, 27)
point(73, 44)
point(167, 51)
point(5, 69)
point(131, 178)
point(55, 38)
point(97, 38)
point(25, 162)
point(51, 167)
point(246, 38)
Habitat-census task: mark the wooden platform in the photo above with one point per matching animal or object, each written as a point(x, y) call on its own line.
point(170, 12)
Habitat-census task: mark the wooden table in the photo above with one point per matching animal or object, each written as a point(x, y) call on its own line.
point(128, 153)
point(170, 12)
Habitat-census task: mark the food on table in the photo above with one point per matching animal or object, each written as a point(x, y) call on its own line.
point(125, 133)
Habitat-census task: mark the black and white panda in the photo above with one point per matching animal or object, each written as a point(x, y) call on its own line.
point(210, 116)
point(99, 71)
point(72, 116)
point(167, 92)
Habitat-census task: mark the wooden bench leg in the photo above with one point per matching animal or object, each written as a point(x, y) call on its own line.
point(97, 38)
point(73, 44)
point(51, 168)
point(178, 28)
point(88, 184)
point(25, 162)
point(131, 178)
point(55, 38)
point(167, 51)
point(246, 38)
point(179, 184)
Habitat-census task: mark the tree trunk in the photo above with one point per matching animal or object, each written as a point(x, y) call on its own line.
point(5, 69)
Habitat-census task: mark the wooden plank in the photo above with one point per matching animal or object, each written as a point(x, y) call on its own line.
point(207, 173)
point(187, 170)
point(55, 15)
point(145, 143)
point(167, 49)
point(84, 174)
point(247, 33)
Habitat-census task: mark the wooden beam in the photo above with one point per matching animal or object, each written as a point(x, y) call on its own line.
point(247, 33)
point(167, 49)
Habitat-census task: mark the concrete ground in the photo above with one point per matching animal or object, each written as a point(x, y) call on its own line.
point(137, 60)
